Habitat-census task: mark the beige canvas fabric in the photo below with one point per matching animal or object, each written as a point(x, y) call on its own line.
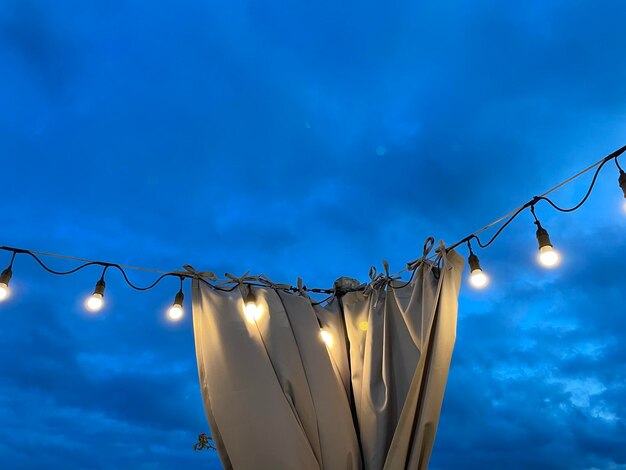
point(277, 397)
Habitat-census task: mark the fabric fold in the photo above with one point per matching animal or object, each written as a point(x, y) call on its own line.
point(357, 383)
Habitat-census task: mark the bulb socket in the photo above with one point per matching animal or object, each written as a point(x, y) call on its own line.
point(543, 238)
point(178, 300)
point(100, 286)
point(250, 297)
point(474, 263)
point(5, 277)
point(622, 181)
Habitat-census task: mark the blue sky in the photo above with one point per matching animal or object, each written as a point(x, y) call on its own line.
point(312, 140)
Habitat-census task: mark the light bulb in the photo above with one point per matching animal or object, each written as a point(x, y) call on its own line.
point(4, 291)
point(5, 277)
point(95, 302)
point(548, 256)
point(327, 338)
point(478, 278)
point(252, 312)
point(363, 325)
point(175, 312)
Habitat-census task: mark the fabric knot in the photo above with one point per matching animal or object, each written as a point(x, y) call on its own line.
point(442, 256)
point(386, 268)
point(274, 285)
point(190, 270)
point(428, 246)
point(235, 279)
point(302, 289)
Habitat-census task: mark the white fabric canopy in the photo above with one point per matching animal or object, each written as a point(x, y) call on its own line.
point(278, 397)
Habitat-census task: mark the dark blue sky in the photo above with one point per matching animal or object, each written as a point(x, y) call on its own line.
point(313, 140)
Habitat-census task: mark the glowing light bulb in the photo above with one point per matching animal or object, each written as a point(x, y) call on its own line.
point(363, 325)
point(5, 277)
point(251, 310)
point(95, 301)
point(175, 312)
point(548, 256)
point(479, 279)
point(5, 292)
point(327, 338)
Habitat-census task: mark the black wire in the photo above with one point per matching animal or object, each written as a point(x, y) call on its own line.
point(497, 234)
point(532, 211)
point(410, 278)
point(536, 199)
point(159, 279)
point(12, 259)
point(613, 156)
point(62, 273)
point(92, 263)
point(584, 199)
point(323, 300)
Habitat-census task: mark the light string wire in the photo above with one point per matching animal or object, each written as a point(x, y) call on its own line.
point(412, 266)
point(510, 216)
point(36, 255)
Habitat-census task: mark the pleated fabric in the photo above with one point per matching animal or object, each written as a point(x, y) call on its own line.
point(278, 397)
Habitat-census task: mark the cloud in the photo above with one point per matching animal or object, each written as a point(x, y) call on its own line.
point(246, 136)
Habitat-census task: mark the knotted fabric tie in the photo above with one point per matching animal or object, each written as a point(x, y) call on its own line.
point(191, 271)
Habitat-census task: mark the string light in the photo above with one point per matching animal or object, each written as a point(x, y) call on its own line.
point(363, 325)
point(95, 301)
point(327, 338)
point(251, 310)
point(477, 277)
point(548, 256)
point(5, 278)
point(175, 312)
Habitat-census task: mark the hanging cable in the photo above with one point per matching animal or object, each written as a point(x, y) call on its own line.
point(584, 199)
point(505, 221)
point(510, 216)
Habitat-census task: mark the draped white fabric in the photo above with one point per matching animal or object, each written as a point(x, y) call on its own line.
point(278, 397)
